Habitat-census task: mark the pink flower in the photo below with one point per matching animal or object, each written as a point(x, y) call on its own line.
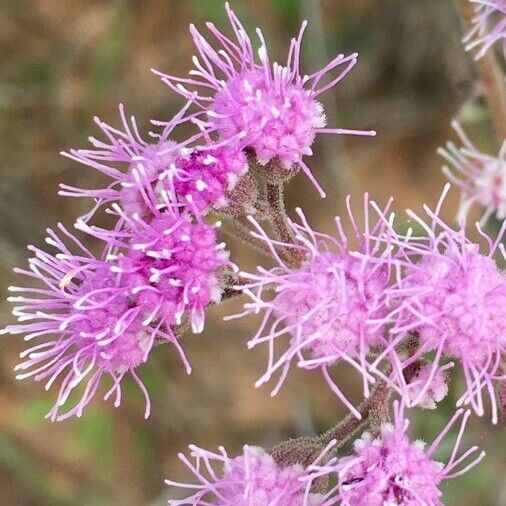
point(481, 177)
point(172, 260)
point(206, 176)
point(453, 299)
point(251, 479)
point(270, 108)
point(89, 323)
point(128, 160)
point(393, 470)
point(324, 305)
point(489, 26)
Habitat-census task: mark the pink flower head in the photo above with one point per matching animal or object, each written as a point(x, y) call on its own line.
point(128, 160)
point(251, 479)
point(481, 177)
point(393, 470)
point(267, 107)
point(324, 304)
point(206, 176)
point(453, 299)
point(489, 26)
point(90, 325)
point(171, 261)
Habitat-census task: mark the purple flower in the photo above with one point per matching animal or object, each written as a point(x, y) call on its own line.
point(481, 177)
point(251, 479)
point(206, 176)
point(489, 26)
point(172, 262)
point(391, 469)
point(89, 323)
point(453, 299)
point(270, 108)
point(323, 305)
point(128, 160)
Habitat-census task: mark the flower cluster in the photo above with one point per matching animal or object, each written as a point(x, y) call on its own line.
point(158, 270)
point(481, 177)
point(384, 306)
point(253, 478)
point(203, 176)
point(489, 26)
point(392, 469)
point(451, 300)
point(386, 469)
point(162, 262)
point(399, 308)
point(100, 327)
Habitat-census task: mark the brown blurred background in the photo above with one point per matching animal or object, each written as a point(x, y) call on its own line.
point(63, 61)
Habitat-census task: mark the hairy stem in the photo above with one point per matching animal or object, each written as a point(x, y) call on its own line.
point(374, 412)
point(304, 449)
point(235, 229)
point(490, 74)
point(371, 409)
point(279, 221)
point(278, 214)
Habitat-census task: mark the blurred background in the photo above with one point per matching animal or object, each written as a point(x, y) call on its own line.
point(61, 63)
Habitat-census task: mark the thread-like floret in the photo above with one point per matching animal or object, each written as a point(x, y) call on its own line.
point(489, 26)
point(251, 479)
point(481, 177)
